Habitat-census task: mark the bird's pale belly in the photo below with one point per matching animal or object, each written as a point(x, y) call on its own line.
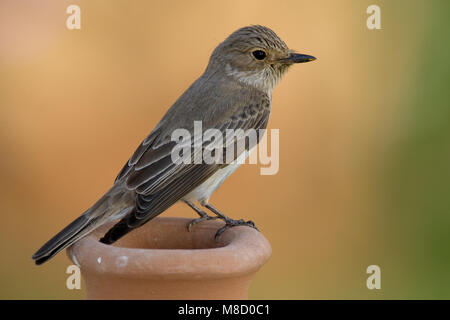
point(204, 191)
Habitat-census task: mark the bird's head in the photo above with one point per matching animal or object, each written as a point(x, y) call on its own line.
point(255, 55)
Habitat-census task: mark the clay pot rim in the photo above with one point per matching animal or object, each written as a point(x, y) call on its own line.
point(244, 249)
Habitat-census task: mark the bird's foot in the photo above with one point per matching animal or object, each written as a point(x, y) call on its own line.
point(203, 217)
point(229, 223)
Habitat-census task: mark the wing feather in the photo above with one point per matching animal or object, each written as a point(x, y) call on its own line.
point(159, 182)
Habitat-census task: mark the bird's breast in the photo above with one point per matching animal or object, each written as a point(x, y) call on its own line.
point(204, 191)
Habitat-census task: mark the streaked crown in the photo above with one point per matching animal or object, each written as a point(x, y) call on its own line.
point(254, 55)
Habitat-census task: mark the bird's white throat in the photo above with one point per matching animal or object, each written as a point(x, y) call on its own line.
point(264, 80)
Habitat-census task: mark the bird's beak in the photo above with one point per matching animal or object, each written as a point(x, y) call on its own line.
point(298, 58)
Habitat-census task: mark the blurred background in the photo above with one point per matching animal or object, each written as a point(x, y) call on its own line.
point(364, 135)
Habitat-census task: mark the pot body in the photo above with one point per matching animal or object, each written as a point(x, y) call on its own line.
point(114, 288)
point(162, 260)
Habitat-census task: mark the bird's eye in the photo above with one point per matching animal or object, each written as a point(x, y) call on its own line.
point(259, 54)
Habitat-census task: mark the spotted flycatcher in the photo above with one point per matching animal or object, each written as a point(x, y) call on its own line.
point(234, 92)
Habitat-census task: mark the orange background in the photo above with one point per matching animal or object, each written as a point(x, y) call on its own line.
point(75, 104)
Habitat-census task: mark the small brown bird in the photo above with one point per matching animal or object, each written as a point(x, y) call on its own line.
point(234, 92)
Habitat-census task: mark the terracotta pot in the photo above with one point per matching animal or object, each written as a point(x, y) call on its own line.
point(162, 260)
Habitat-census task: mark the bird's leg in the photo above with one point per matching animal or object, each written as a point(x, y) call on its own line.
point(200, 212)
point(229, 223)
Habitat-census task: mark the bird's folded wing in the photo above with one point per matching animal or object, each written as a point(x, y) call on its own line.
point(159, 182)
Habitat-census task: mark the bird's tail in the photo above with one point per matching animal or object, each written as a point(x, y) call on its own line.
point(73, 232)
point(101, 212)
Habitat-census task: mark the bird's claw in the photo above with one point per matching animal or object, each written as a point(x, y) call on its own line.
point(233, 223)
point(195, 221)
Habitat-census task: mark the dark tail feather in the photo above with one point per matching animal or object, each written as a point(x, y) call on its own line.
point(63, 239)
point(120, 229)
